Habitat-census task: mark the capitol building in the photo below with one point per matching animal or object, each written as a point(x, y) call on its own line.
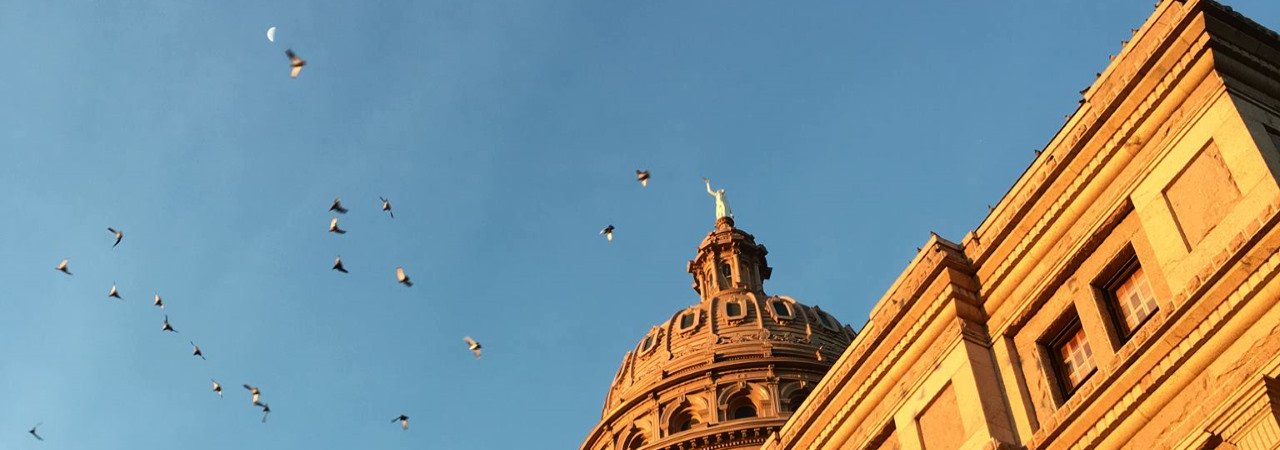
point(1122, 294)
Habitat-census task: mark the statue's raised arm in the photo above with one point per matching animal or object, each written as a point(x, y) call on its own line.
point(709, 191)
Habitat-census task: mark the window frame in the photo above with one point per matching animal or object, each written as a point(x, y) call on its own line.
point(786, 305)
point(695, 319)
point(742, 306)
point(1057, 338)
point(1118, 273)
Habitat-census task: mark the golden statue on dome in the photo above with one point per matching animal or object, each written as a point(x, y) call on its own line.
point(722, 202)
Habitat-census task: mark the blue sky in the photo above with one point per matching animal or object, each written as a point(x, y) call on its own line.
point(505, 134)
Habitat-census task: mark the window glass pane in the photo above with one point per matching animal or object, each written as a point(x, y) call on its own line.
point(1076, 358)
point(1135, 300)
point(780, 308)
point(686, 320)
point(648, 342)
point(733, 309)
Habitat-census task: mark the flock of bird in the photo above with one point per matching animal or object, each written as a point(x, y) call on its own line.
point(255, 393)
point(296, 64)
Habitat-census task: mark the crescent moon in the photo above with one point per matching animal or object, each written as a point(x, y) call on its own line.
point(271, 34)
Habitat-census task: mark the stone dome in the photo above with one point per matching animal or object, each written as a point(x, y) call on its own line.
point(723, 373)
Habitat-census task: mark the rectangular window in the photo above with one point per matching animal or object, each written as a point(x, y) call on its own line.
point(733, 309)
point(1128, 294)
point(1134, 300)
point(781, 310)
point(1071, 355)
point(1076, 358)
point(686, 321)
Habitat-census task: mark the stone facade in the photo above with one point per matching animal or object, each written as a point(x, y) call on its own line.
point(724, 373)
point(1123, 294)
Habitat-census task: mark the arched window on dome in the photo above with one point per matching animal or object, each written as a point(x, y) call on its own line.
point(686, 414)
point(636, 442)
point(793, 401)
point(684, 420)
point(793, 394)
point(744, 400)
point(740, 407)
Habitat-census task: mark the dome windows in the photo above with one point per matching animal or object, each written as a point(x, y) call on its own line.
point(636, 442)
point(735, 309)
point(683, 421)
point(740, 407)
point(688, 320)
point(743, 401)
point(685, 418)
point(650, 342)
point(795, 398)
point(782, 309)
point(685, 414)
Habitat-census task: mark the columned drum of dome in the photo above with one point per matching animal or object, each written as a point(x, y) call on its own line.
point(723, 373)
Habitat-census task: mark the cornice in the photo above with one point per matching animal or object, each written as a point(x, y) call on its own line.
point(1038, 232)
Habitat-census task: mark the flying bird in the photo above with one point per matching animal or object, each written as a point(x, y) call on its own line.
point(266, 409)
point(255, 392)
point(159, 302)
point(33, 431)
point(337, 206)
point(333, 227)
point(643, 177)
point(119, 235)
point(62, 267)
point(386, 206)
point(217, 387)
point(337, 265)
point(404, 421)
point(295, 62)
point(114, 292)
point(607, 232)
point(402, 278)
point(472, 345)
point(197, 351)
point(166, 326)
